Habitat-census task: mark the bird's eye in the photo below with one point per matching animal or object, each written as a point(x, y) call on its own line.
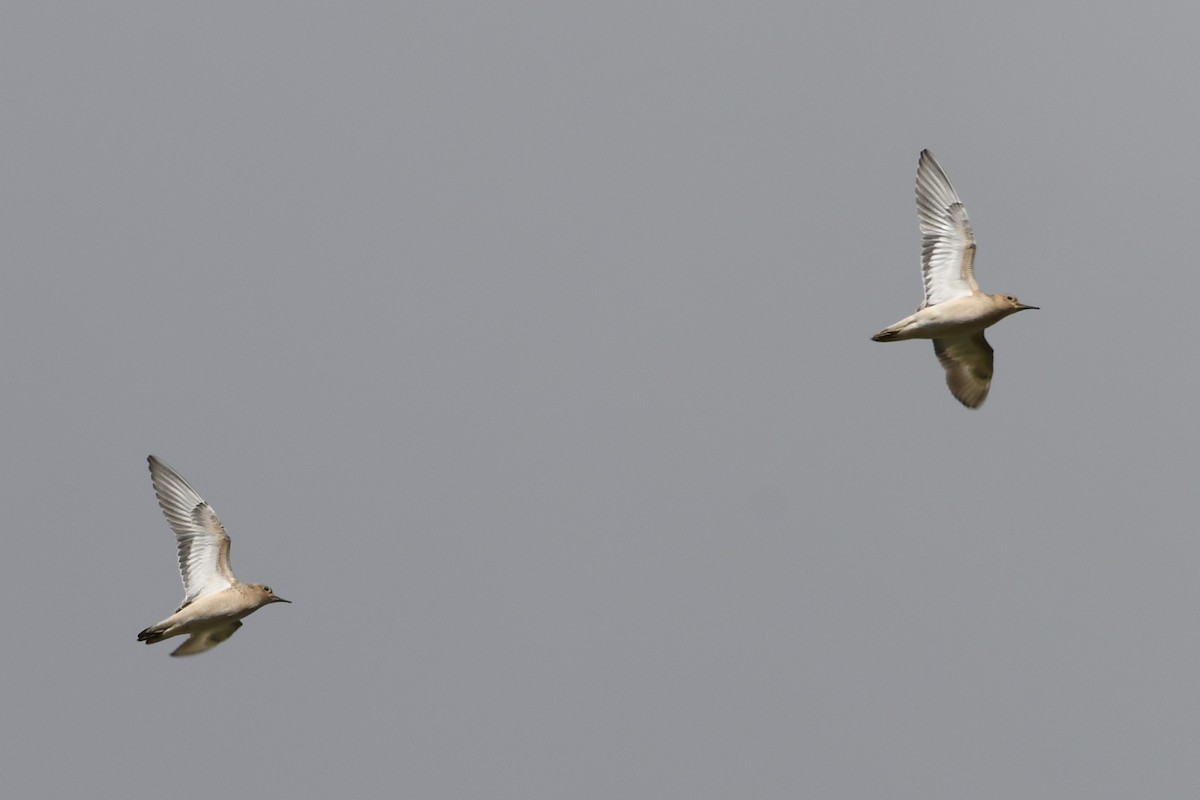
point(1013, 299)
point(267, 589)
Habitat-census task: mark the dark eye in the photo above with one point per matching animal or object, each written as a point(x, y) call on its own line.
point(267, 589)
point(1010, 297)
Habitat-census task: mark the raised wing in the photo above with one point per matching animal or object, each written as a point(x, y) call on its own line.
point(206, 639)
point(968, 364)
point(203, 542)
point(947, 244)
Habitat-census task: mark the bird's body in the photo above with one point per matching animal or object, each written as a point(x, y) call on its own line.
point(215, 601)
point(961, 316)
point(955, 312)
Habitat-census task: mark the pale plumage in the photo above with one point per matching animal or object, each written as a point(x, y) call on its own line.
point(955, 312)
point(214, 600)
point(203, 542)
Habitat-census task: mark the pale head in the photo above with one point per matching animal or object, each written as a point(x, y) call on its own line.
point(264, 594)
point(1010, 304)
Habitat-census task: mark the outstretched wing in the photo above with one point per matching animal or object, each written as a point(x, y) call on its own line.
point(206, 639)
point(947, 244)
point(968, 364)
point(203, 542)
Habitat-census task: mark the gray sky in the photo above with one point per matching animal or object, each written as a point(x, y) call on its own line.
point(525, 348)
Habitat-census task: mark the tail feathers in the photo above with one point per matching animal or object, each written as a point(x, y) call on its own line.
point(151, 635)
point(886, 335)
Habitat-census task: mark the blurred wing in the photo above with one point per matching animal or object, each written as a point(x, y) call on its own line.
point(203, 542)
point(206, 640)
point(947, 244)
point(968, 364)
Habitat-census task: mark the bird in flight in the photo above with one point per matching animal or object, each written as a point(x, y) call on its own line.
point(214, 601)
point(955, 312)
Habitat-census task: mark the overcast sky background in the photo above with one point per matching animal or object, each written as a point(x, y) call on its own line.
point(525, 347)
